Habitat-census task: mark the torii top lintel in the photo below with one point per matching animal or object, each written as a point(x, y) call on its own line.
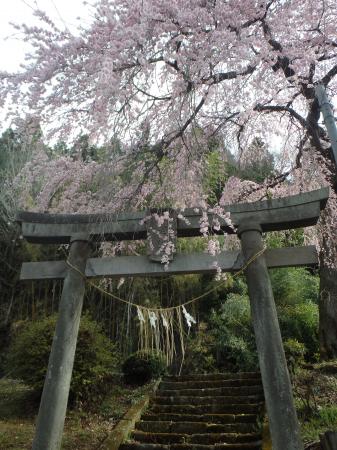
point(296, 211)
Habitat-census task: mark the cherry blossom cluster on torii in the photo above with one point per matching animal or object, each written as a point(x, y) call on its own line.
point(165, 77)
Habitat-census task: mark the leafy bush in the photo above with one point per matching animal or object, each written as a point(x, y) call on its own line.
point(199, 357)
point(300, 322)
point(296, 296)
point(96, 357)
point(295, 293)
point(237, 355)
point(293, 286)
point(233, 333)
point(141, 367)
point(295, 352)
point(235, 317)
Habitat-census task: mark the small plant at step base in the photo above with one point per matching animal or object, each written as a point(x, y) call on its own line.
point(141, 367)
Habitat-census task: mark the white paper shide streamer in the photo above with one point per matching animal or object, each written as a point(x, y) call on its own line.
point(160, 330)
point(152, 318)
point(140, 315)
point(189, 319)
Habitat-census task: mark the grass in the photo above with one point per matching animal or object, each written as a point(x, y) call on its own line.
point(315, 389)
point(84, 429)
point(325, 419)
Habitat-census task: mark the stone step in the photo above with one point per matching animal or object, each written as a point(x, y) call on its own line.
point(194, 427)
point(206, 439)
point(219, 400)
point(210, 418)
point(208, 384)
point(257, 445)
point(214, 376)
point(220, 391)
point(202, 412)
point(253, 408)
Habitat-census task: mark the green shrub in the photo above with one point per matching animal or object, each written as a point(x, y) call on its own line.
point(300, 322)
point(141, 367)
point(96, 357)
point(234, 337)
point(295, 352)
point(234, 317)
point(237, 355)
point(199, 353)
point(294, 285)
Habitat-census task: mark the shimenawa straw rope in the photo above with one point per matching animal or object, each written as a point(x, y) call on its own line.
point(116, 297)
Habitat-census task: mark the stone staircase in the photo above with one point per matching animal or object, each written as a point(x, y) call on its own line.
point(220, 411)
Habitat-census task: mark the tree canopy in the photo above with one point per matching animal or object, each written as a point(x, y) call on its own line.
point(154, 73)
point(222, 64)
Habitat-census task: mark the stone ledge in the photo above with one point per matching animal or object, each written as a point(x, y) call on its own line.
point(126, 425)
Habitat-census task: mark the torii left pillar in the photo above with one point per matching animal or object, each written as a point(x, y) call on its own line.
point(53, 406)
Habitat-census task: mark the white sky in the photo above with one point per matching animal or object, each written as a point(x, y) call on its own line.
point(12, 48)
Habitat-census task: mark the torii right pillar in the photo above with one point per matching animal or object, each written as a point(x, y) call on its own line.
point(284, 426)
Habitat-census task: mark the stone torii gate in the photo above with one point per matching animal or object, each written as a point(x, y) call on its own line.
point(249, 221)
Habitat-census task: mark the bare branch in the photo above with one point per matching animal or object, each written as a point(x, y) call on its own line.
point(219, 77)
point(329, 76)
point(280, 108)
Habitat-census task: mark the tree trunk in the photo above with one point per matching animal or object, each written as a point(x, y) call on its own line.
point(328, 312)
point(329, 440)
point(327, 233)
point(328, 281)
